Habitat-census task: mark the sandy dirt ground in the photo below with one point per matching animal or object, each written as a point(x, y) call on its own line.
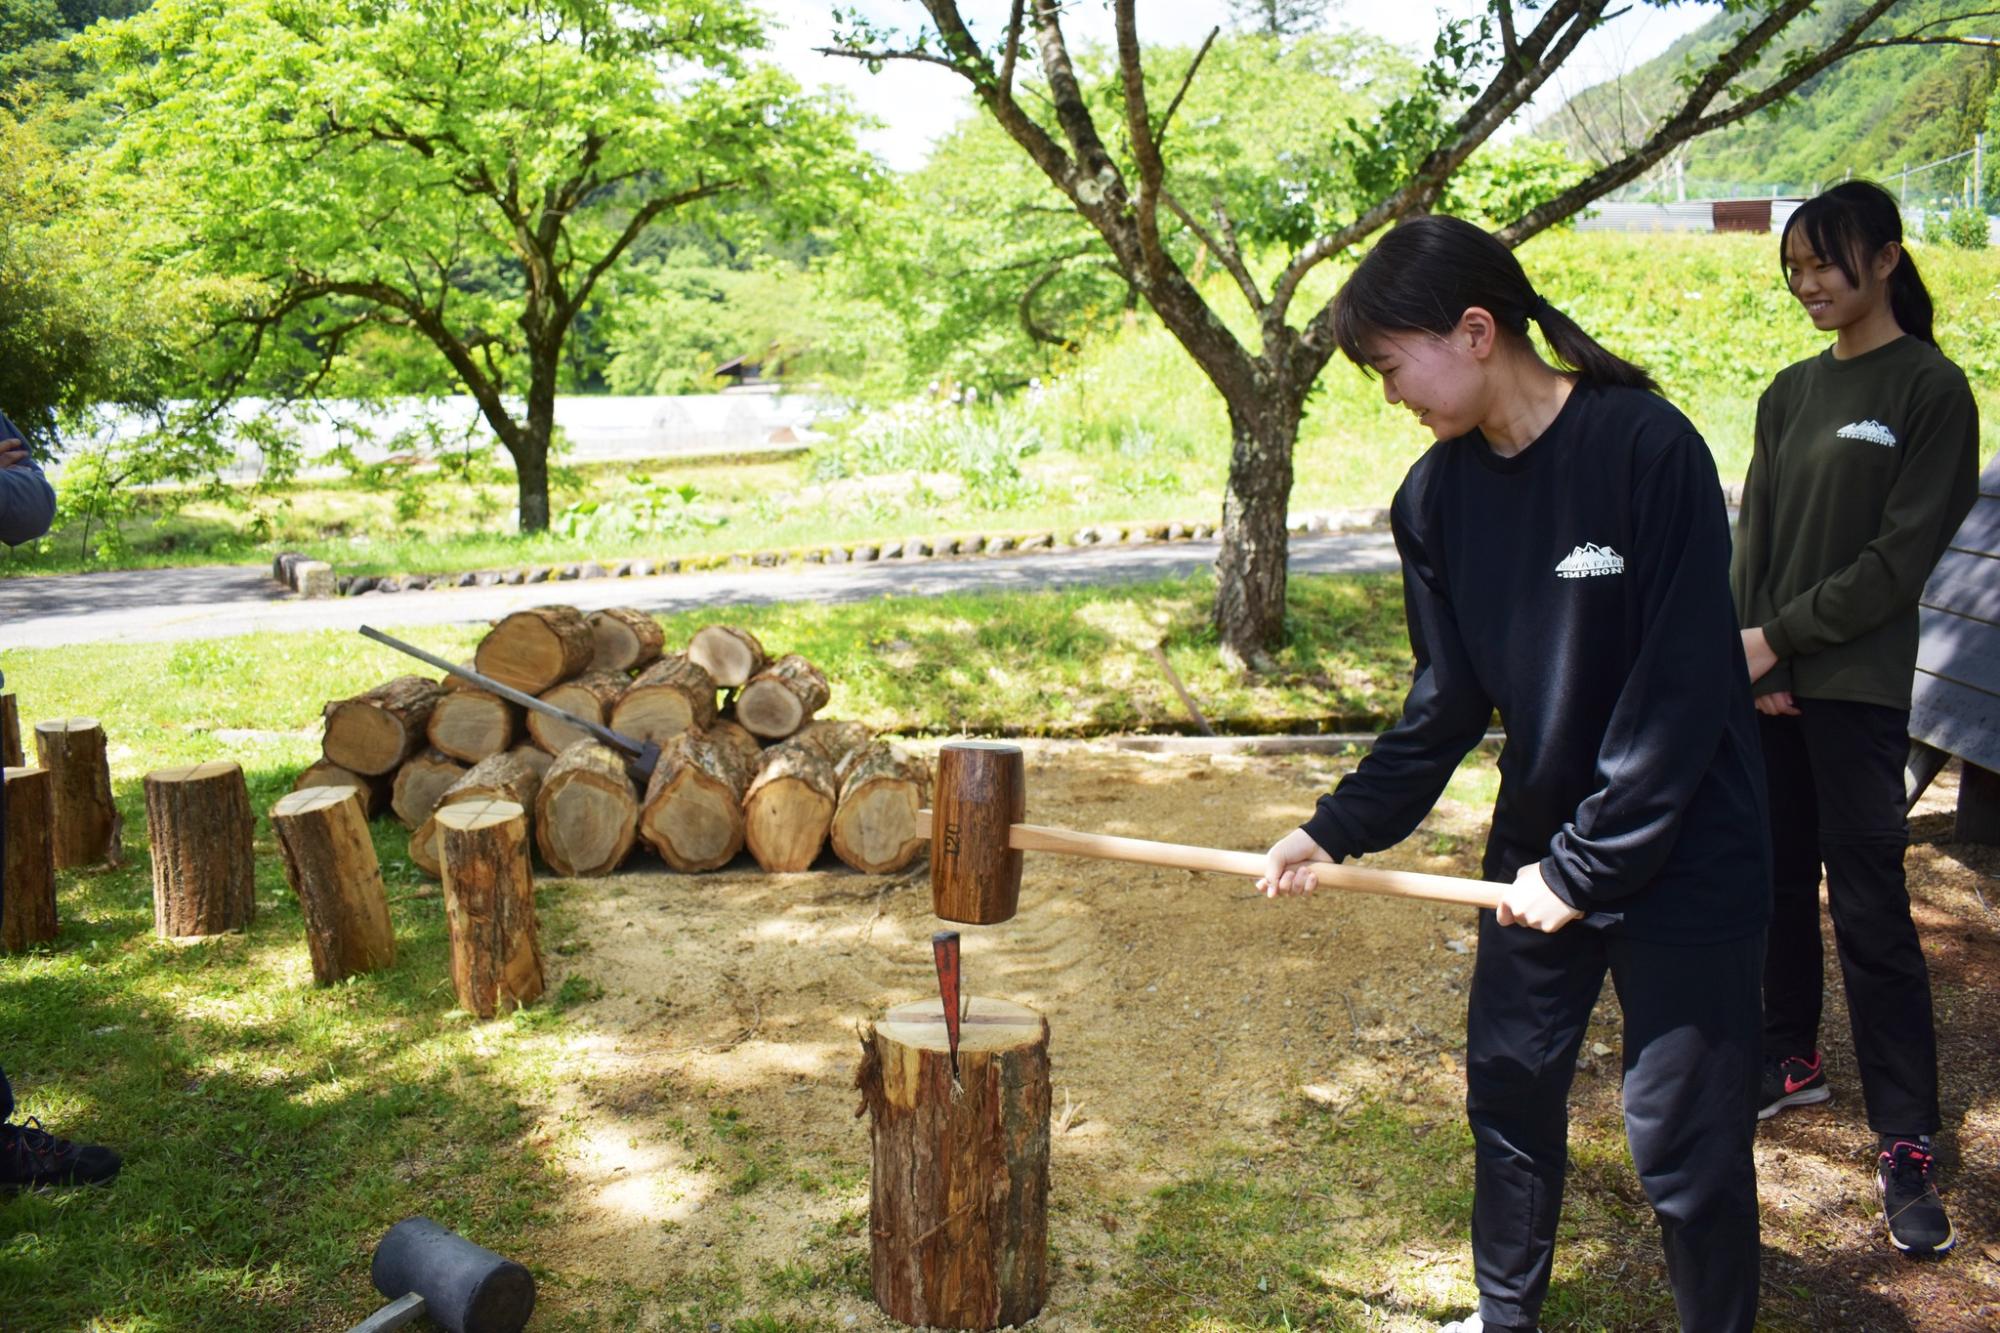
point(705, 1114)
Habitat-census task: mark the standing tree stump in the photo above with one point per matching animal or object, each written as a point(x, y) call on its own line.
point(85, 819)
point(204, 877)
point(730, 655)
point(330, 863)
point(875, 826)
point(591, 696)
point(671, 696)
point(624, 639)
point(489, 904)
point(374, 792)
point(781, 698)
point(373, 733)
point(959, 1190)
point(471, 725)
point(10, 733)
point(504, 777)
point(587, 812)
point(420, 783)
point(788, 810)
point(534, 649)
point(28, 873)
point(693, 816)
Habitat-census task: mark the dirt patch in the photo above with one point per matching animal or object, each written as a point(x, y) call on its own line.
point(706, 1118)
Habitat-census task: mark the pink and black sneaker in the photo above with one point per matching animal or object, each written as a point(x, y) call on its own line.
point(1796, 1081)
point(1917, 1222)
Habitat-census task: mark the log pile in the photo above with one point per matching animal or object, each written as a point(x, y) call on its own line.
point(746, 762)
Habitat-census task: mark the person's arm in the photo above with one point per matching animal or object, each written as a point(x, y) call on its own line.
point(1942, 451)
point(1667, 724)
point(1749, 563)
point(27, 501)
point(1444, 715)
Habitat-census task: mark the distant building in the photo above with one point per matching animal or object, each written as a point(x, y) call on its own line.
point(740, 372)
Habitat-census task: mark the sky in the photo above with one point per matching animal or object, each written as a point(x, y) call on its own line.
point(915, 103)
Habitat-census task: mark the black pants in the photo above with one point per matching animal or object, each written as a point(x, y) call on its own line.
point(1836, 787)
point(1691, 1069)
point(6, 1092)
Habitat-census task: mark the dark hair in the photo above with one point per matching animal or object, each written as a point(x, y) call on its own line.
point(1428, 271)
point(1847, 226)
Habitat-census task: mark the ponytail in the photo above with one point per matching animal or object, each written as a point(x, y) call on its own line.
point(1847, 226)
point(1427, 272)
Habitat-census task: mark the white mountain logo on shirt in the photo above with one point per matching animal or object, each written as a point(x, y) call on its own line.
point(1589, 559)
point(1872, 431)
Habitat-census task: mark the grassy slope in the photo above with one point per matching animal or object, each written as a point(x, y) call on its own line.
point(1132, 434)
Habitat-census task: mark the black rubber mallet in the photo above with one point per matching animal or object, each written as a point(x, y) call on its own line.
point(424, 1269)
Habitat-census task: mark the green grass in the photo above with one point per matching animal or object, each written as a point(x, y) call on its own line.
point(1131, 434)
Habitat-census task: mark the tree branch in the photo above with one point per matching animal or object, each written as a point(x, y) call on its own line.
point(1160, 137)
point(1225, 251)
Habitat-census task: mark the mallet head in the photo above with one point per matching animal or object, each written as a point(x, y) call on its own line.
point(466, 1288)
point(981, 791)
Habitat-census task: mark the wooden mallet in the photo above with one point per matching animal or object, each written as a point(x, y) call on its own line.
point(977, 838)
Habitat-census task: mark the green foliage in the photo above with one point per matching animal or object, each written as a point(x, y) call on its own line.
point(650, 509)
point(983, 446)
point(1963, 227)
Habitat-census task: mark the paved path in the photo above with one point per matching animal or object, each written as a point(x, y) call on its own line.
point(137, 606)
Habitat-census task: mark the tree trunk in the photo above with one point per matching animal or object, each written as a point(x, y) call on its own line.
point(204, 873)
point(671, 696)
point(536, 649)
point(875, 826)
point(85, 819)
point(627, 640)
point(373, 733)
point(374, 791)
point(693, 816)
point(420, 783)
point(591, 696)
point(472, 725)
point(503, 777)
point(330, 863)
point(10, 733)
point(959, 1188)
point(28, 876)
point(489, 905)
point(780, 699)
point(788, 809)
point(531, 473)
point(587, 813)
point(1249, 612)
point(728, 654)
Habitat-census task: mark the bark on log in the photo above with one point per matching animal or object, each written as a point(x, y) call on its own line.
point(10, 733)
point(535, 757)
point(788, 809)
point(534, 649)
point(875, 826)
point(693, 816)
point(958, 1193)
point(471, 725)
point(587, 813)
point(671, 696)
point(420, 783)
point(730, 655)
point(28, 875)
point(624, 639)
point(504, 777)
point(489, 905)
point(330, 863)
point(87, 825)
point(835, 742)
point(782, 698)
point(204, 874)
point(373, 733)
point(591, 696)
point(326, 773)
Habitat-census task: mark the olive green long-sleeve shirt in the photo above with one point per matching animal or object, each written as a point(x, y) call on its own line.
point(1862, 471)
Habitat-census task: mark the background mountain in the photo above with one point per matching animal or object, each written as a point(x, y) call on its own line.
point(1872, 114)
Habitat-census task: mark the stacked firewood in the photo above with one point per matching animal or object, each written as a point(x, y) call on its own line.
point(745, 762)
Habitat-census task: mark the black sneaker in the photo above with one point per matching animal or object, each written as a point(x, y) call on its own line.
point(33, 1158)
point(1792, 1082)
point(1917, 1222)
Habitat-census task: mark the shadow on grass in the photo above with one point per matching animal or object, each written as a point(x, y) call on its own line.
point(272, 1130)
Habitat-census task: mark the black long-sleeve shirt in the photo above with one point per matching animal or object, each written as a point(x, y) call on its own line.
point(1581, 587)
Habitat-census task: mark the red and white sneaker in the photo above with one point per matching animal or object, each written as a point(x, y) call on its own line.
point(1795, 1081)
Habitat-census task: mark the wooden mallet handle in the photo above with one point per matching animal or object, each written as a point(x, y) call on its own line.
point(1250, 865)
